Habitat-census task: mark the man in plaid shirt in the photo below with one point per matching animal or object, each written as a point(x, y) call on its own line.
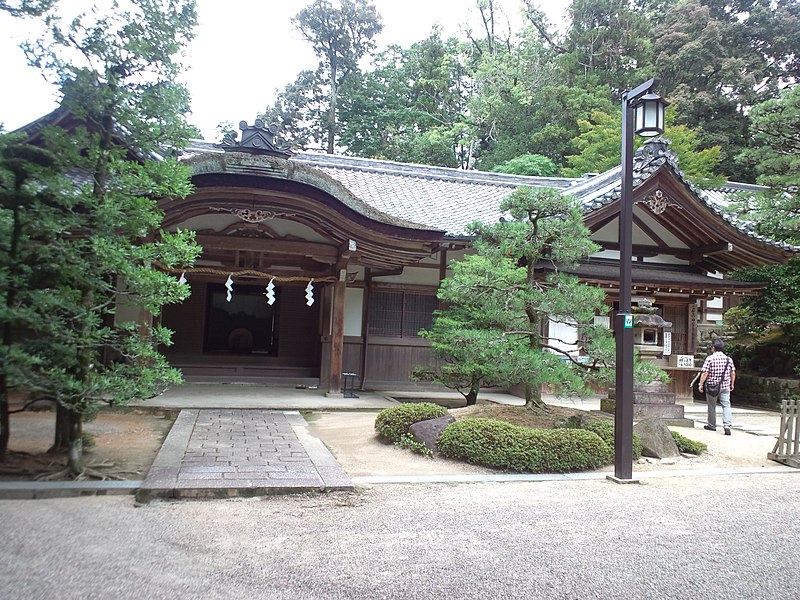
point(718, 368)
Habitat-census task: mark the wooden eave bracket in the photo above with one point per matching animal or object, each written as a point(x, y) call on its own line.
point(697, 254)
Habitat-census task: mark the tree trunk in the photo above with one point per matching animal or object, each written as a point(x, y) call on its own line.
point(69, 438)
point(533, 397)
point(75, 454)
point(5, 432)
point(332, 113)
point(62, 430)
point(11, 296)
point(472, 396)
point(533, 393)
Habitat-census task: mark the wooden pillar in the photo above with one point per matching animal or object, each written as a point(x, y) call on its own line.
point(337, 338)
point(691, 327)
point(365, 316)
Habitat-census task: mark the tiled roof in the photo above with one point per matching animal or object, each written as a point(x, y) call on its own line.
point(449, 199)
point(655, 153)
point(441, 198)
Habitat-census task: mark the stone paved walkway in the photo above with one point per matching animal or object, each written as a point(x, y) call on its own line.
point(240, 452)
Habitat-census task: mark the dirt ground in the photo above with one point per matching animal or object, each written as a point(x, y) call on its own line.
point(129, 441)
point(126, 442)
point(351, 437)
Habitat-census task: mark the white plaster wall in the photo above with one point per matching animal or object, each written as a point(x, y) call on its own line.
point(714, 307)
point(353, 311)
point(413, 276)
point(563, 336)
point(665, 259)
point(126, 311)
point(610, 254)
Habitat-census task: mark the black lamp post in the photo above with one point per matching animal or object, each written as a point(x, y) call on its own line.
point(645, 109)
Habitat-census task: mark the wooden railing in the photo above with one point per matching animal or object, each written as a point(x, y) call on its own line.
point(787, 448)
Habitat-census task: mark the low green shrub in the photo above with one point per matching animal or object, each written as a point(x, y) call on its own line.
point(494, 443)
point(605, 429)
point(391, 423)
point(408, 442)
point(687, 445)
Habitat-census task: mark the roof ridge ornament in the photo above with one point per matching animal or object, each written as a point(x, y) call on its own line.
point(654, 153)
point(256, 139)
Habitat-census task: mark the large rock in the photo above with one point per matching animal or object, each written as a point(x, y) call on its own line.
point(579, 421)
point(657, 441)
point(427, 432)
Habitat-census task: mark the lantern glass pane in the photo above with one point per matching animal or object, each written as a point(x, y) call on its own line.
point(649, 117)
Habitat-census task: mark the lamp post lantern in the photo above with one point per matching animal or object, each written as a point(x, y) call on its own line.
point(641, 108)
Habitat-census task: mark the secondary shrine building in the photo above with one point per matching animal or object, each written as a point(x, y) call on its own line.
point(355, 249)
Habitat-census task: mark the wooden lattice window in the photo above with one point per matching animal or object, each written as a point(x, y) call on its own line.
point(400, 314)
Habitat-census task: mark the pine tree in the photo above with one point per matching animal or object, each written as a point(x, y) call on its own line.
point(105, 278)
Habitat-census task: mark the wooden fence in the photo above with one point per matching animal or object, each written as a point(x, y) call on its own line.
point(787, 448)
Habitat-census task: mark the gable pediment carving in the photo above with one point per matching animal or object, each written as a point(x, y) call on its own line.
point(658, 202)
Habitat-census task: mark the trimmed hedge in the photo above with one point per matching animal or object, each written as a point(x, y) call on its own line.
point(688, 446)
point(392, 423)
point(605, 429)
point(494, 443)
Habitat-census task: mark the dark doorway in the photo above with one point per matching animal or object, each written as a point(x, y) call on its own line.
point(245, 325)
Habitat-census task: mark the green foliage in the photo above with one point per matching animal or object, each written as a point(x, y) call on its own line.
point(502, 445)
point(410, 106)
point(340, 36)
point(26, 8)
point(600, 141)
point(605, 429)
point(497, 94)
point(498, 299)
point(539, 116)
point(775, 154)
point(688, 446)
point(408, 442)
point(777, 305)
point(393, 422)
point(717, 59)
point(85, 250)
point(529, 164)
point(606, 41)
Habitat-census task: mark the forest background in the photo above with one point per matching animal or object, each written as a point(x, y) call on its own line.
point(519, 93)
point(542, 101)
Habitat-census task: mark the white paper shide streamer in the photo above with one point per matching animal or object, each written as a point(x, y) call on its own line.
point(182, 278)
point(229, 287)
point(270, 292)
point(310, 293)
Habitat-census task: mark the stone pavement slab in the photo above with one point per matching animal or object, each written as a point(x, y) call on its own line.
point(257, 396)
point(241, 452)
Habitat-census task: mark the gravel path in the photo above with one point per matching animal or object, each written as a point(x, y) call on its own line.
point(701, 537)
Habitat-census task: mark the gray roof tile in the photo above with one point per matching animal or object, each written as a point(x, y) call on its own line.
point(450, 199)
point(441, 198)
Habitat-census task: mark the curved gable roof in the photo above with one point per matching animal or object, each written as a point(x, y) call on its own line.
point(656, 155)
point(447, 200)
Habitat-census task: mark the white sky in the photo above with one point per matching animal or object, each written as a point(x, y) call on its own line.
point(244, 52)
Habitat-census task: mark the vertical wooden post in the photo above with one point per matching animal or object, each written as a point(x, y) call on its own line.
point(442, 265)
point(337, 338)
point(691, 328)
point(365, 316)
